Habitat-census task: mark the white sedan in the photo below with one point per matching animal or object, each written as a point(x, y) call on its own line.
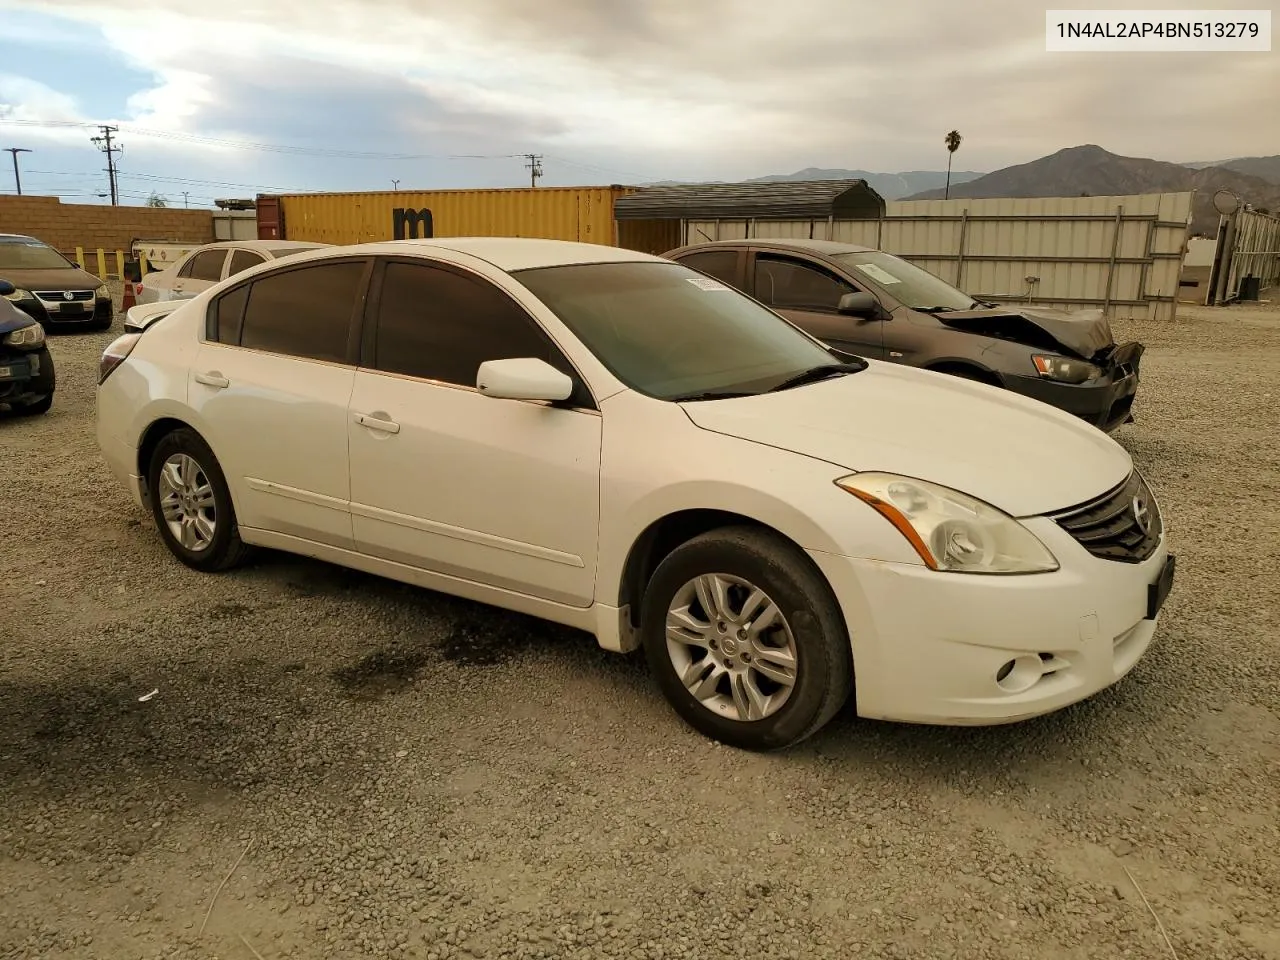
point(613, 441)
point(205, 266)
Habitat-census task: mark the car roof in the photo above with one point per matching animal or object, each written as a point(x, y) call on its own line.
point(823, 247)
point(264, 245)
point(18, 236)
point(512, 253)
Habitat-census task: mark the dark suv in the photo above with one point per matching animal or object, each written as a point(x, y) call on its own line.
point(51, 288)
point(872, 304)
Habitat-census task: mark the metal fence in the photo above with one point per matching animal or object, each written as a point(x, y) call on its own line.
point(1247, 258)
point(1123, 254)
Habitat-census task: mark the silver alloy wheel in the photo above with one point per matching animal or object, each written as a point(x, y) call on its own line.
point(731, 647)
point(187, 502)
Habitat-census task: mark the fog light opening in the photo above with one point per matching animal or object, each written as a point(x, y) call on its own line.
point(1020, 674)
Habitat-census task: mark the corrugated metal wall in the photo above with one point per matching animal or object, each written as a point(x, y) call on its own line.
point(1120, 253)
point(553, 213)
point(1257, 251)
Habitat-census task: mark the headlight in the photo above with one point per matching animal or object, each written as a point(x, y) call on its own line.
point(19, 295)
point(1066, 370)
point(950, 530)
point(102, 293)
point(31, 336)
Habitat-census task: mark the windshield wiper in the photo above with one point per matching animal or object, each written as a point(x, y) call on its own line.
point(936, 309)
point(820, 372)
point(710, 395)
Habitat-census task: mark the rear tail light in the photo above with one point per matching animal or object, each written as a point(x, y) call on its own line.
point(115, 354)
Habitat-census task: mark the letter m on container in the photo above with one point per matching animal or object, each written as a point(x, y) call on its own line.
point(411, 224)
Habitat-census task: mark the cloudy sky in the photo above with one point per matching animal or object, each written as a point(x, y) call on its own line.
point(231, 97)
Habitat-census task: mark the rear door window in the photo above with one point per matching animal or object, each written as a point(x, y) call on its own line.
point(205, 265)
point(242, 260)
point(307, 312)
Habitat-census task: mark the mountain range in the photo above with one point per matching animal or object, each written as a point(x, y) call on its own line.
point(1089, 170)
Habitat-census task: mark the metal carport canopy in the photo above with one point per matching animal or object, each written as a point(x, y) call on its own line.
point(770, 200)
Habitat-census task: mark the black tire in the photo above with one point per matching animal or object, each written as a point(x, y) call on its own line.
point(824, 661)
point(35, 407)
point(225, 549)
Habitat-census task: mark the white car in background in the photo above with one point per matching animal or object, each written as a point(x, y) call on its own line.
point(207, 265)
point(613, 441)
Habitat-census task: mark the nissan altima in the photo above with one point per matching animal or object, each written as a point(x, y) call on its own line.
point(616, 442)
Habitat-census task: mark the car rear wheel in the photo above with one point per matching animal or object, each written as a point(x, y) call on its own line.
point(746, 640)
point(192, 504)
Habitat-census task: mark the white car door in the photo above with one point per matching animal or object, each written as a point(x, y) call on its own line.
point(501, 492)
point(272, 383)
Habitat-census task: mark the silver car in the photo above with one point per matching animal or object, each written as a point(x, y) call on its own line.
point(204, 266)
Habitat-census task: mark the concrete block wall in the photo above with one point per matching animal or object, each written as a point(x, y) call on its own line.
point(70, 225)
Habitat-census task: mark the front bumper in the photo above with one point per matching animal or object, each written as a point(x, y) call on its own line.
point(929, 647)
point(1107, 402)
point(54, 314)
point(26, 375)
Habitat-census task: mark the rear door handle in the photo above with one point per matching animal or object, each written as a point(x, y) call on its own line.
point(213, 379)
point(376, 423)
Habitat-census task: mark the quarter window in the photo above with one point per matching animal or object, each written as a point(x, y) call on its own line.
point(228, 315)
point(306, 312)
point(441, 325)
point(205, 265)
point(791, 285)
point(243, 260)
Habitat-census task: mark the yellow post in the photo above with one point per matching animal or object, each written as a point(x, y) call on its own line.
point(102, 264)
point(120, 264)
point(142, 262)
point(80, 256)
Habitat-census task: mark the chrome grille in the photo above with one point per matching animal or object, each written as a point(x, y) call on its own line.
point(1123, 524)
point(60, 296)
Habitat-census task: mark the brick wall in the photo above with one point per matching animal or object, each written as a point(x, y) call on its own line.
point(70, 225)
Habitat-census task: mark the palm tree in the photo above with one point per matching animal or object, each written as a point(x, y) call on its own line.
point(952, 141)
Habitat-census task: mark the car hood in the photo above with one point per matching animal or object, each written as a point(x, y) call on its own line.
point(68, 278)
point(11, 318)
point(1018, 454)
point(1082, 332)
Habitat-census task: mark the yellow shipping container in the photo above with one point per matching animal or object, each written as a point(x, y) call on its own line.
point(553, 213)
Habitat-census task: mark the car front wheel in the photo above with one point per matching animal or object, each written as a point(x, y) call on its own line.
point(746, 640)
point(192, 505)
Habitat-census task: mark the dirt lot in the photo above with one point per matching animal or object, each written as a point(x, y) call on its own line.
point(398, 774)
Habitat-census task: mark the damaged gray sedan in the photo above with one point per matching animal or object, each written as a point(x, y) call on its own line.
point(865, 302)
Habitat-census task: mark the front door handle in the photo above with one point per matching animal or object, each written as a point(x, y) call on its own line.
point(213, 379)
point(377, 423)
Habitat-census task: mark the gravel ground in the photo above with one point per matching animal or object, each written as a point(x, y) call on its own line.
point(376, 770)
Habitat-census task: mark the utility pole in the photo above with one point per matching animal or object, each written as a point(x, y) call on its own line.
point(17, 177)
point(104, 144)
point(185, 194)
point(534, 166)
point(395, 184)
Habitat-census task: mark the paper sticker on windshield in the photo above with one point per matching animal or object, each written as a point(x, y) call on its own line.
point(705, 283)
point(877, 273)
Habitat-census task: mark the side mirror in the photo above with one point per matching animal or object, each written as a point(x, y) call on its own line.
point(6, 288)
point(523, 378)
point(858, 305)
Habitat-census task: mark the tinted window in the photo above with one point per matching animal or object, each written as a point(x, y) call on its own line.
point(669, 332)
point(441, 325)
point(243, 260)
point(304, 312)
point(721, 264)
point(206, 265)
point(791, 285)
point(228, 315)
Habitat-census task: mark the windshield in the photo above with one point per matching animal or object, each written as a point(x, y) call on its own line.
point(906, 282)
point(279, 252)
point(30, 255)
point(669, 332)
